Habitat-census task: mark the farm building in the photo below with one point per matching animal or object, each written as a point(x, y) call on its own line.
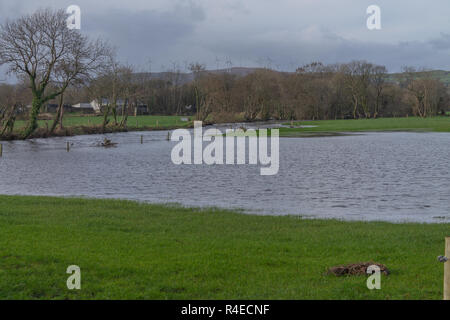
point(53, 107)
point(83, 108)
point(139, 109)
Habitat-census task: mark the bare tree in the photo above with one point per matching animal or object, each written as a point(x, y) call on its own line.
point(202, 101)
point(378, 80)
point(12, 102)
point(129, 88)
point(41, 47)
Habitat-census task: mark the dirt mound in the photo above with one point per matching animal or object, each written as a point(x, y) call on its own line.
point(356, 269)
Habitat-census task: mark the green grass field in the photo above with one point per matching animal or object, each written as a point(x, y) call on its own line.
point(128, 250)
point(436, 124)
point(133, 122)
point(324, 127)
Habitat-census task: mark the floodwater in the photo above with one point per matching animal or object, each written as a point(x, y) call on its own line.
point(389, 176)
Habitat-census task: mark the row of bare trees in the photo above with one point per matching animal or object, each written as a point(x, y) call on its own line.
point(354, 90)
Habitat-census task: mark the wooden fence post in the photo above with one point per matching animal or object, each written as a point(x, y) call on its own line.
point(142, 139)
point(1, 150)
point(68, 146)
point(447, 270)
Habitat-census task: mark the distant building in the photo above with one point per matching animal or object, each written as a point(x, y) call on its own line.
point(139, 109)
point(49, 108)
point(98, 106)
point(83, 108)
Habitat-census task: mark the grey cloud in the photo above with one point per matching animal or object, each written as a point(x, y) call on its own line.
point(323, 45)
point(249, 32)
point(144, 34)
point(441, 43)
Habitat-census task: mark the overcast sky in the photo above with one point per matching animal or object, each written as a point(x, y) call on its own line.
point(281, 34)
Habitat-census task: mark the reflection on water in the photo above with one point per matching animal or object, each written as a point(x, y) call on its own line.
point(374, 176)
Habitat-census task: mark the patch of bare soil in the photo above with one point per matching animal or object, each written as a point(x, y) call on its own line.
point(356, 269)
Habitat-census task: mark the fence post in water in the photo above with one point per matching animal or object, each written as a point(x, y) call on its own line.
point(447, 270)
point(168, 136)
point(142, 139)
point(1, 150)
point(68, 146)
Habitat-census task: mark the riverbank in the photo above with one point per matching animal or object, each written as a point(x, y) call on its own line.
point(85, 125)
point(318, 128)
point(128, 250)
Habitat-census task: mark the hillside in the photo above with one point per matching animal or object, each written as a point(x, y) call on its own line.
point(183, 77)
point(441, 75)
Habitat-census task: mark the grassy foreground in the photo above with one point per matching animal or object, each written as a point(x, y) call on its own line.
point(436, 124)
point(128, 250)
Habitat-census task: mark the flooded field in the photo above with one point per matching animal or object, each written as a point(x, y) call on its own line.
point(372, 176)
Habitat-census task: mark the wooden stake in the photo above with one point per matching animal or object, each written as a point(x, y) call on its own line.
point(68, 146)
point(142, 139)
point(447, 270)
point(1, 150)
point(168, 136)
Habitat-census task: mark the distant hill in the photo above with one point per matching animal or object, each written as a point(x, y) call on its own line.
point(183, 78)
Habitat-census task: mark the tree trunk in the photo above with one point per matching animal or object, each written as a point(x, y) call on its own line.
point(105, 118)
point(59, 115)
point(124, 120)
point(355, 107)
point(32, 122)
